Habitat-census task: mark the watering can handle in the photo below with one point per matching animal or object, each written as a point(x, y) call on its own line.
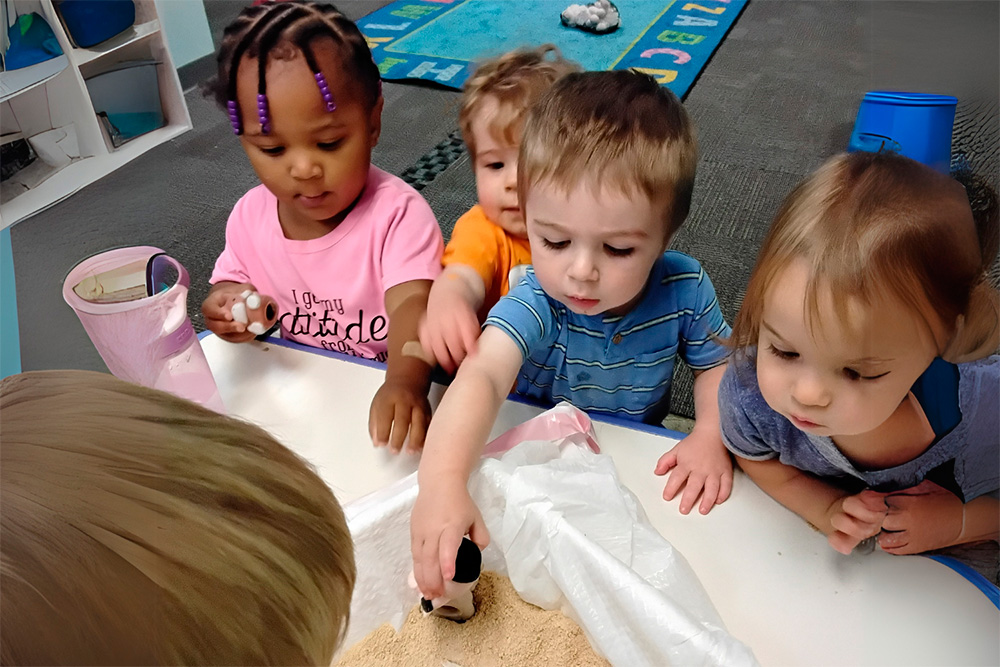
point(180, 337)
point(182, 275)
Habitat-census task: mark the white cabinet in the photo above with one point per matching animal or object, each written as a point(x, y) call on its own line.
point(63, 100)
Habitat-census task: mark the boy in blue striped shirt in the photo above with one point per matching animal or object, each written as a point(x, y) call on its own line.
point(605, 175)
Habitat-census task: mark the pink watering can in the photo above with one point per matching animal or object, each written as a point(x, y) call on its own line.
point(133, 304)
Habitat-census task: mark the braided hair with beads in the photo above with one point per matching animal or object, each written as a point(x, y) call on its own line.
point(259, 29)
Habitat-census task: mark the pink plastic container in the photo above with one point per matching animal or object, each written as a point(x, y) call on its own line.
point(133, 304)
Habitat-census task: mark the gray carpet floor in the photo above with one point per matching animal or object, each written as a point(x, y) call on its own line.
point(777, 98)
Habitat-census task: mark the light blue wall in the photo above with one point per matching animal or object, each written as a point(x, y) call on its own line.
point(188, 34)
point(10, 344)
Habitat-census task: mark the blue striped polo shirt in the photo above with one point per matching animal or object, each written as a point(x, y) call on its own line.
point(618, 365)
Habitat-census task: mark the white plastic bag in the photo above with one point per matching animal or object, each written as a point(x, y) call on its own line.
point(569, 536)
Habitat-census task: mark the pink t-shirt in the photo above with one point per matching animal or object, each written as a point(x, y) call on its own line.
point(331, 290)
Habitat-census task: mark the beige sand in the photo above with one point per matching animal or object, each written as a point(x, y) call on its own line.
point(506, 630)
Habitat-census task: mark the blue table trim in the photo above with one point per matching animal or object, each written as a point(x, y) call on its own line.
point(988, 588)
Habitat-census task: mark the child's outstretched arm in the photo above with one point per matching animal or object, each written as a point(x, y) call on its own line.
point(928, 516)
point(400, 405)
point(444, 511)
point(700, 462)
point(449, 331)
point(845, 519)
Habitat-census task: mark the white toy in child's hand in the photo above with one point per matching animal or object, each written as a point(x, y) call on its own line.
point(239, 312)
point(457, 603)
point(252, 301)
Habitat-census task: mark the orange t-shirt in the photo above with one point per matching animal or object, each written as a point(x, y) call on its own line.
point(492, 252)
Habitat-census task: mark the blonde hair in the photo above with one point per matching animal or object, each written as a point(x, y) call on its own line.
point(879, 224)
point(618, 129)
point(516, 80)
point(139, 528)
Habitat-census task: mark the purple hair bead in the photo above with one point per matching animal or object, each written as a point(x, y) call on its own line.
point(234, 116)
point(265, 122)
point(324, 89)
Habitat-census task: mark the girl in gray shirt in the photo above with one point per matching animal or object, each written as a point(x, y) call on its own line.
point(862, 394)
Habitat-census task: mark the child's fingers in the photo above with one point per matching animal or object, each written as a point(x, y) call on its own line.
point(850, 525)
point(211, 311)
point(217, 299)
point(440, 349)
point(222, 327)
point(418, 429)
point(873, 500)
point(214, 310)
point(450, 541)
point(725, 488)
point(434, 341)
point(666, 462)
point(693, 488)
point(427, 571)
point(400, 425)
point(469, 330)
point(842, 542)
point(426, 339)
point(710, 495)
point(866, 507)
point(894, 541)
point(674, 484)
point(899, 517)
point(478, 532)
point(379, 424)
point(456, 349)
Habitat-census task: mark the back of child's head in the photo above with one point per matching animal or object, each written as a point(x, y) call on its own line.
point(280, 30)
point(139, 528)
point(620, 131)
point(878, 225)
point(516, 80)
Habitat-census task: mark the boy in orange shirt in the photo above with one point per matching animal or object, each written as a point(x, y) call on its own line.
point(488, 251)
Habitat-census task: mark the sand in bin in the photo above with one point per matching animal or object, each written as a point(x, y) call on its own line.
point(506, 630)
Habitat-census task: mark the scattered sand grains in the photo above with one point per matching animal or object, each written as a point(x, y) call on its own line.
point(506, 630)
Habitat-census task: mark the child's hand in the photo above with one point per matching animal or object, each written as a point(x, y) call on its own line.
point(921, 518)
point(397, 409)
point(442, 515)
point(217, 311)
point(449, 331)
point(701, 464)
point(856, 518)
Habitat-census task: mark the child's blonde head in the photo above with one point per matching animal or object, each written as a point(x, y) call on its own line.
point(879, 224)
point(515, 80)
point(139, 528)
point(616, 130)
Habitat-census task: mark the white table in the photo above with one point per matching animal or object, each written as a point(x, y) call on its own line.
point(776, 583)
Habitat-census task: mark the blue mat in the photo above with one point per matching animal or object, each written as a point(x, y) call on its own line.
point(441, 41)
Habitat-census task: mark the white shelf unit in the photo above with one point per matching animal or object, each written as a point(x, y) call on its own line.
point(63, 100)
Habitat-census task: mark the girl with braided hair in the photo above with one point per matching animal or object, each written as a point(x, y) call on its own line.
point(343, 252)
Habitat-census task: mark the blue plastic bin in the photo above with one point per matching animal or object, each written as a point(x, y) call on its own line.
point(90, 22)
point(917, 125)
